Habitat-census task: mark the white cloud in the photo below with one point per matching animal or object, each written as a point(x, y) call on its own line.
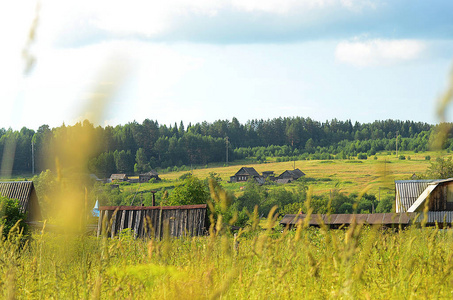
point(378, 52)
point(65, 20)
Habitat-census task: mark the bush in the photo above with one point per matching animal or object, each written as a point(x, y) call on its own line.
point(427, 157)
point(362, 156)
point(402, 157)
point(10, 215)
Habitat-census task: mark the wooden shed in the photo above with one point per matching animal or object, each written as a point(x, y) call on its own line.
point(119, 177)
point(412, 195)
point(152, 221)
point(25, 192)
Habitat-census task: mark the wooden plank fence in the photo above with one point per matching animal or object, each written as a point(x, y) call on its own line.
point(153, 221)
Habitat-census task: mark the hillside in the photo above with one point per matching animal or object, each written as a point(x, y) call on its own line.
point(348, 176)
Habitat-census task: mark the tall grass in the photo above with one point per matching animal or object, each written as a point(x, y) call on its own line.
point(311, 263)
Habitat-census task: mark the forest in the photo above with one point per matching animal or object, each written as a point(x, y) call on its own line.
point(134, 148)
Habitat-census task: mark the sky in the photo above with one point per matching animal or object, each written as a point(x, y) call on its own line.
point(115, 62)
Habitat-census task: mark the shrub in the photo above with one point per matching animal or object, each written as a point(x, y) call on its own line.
point(362, 156)
point(10, 215)
point(427, 157)
point(402, 157)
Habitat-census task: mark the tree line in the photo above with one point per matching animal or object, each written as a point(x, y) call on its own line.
point(138, 147)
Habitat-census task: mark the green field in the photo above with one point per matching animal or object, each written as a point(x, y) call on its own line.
point(348, 176)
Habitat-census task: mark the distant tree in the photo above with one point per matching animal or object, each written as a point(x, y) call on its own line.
point(141, 162)
point(309, 145)
point(442, 168)
point(124, 161)
point(191, 191)
point(386, 205)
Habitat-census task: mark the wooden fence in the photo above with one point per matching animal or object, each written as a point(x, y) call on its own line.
point(153, 221)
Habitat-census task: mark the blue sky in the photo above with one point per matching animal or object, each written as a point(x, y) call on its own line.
point(119, 61)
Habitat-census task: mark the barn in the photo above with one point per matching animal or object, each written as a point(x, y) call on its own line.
point(152, 221)
point(25, 192)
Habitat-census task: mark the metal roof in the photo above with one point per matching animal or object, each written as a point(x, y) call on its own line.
point(24, 192)
point(344, 219)
point(20, 190)
point(408, 191)
point(432, 217)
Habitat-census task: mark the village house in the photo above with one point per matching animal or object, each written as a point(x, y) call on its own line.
point(245, 173)
point(118, 177)
point(269, 175)
point(289, 176)
point(147, 176)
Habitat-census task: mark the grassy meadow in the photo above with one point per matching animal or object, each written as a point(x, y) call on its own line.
point(262, 261)
point(348, 176)
point(353, 263)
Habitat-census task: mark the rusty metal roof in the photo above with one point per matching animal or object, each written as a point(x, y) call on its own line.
point(432, 217)
point(344, 219)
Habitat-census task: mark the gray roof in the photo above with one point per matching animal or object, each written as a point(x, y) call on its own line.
point(283, 181)
point(248, 171)
point(295, 174)
point(432, 217)
point(150, 173)
point(408, 191)
point(24, 192)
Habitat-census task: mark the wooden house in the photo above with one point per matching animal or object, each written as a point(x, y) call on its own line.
point(290, 175)
point(147, 176)
point(246, 173)
point(414, 195)
point(118, 177)
point(25, 192)
point(411, 197)
point(269, 175)
point(154, 221)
